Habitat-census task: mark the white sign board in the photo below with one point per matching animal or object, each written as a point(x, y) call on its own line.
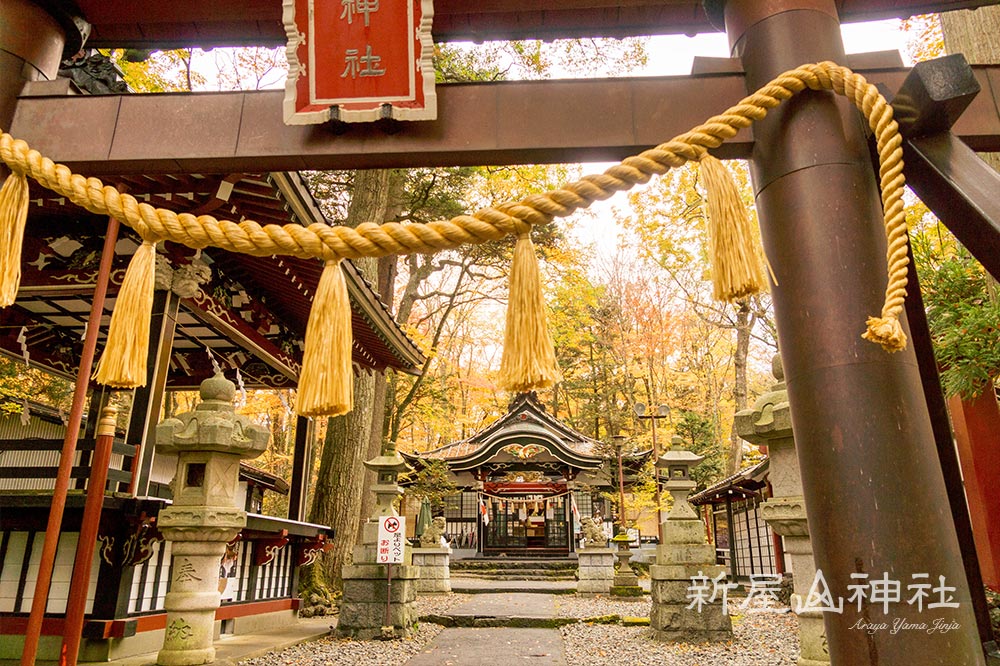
point(391, 539)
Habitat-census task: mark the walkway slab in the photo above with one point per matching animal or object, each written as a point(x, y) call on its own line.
point(480, 586)
point(507, 605)
point(492, 646)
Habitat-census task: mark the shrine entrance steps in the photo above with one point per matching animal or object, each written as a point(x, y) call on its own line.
point(513, 575)
point(515, 568)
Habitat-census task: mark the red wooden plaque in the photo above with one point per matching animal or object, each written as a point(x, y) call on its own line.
point(359, 60)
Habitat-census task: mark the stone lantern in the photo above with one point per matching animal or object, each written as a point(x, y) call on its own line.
point(769, 423)
point(372, 606)
point(684, 559)
point(677, 463)
point(209, 443)
point(626, 582)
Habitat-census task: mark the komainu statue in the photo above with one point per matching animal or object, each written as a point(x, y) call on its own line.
point(593, 533)
point(434, 534)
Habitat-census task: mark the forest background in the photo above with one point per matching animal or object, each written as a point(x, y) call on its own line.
point(627, 283)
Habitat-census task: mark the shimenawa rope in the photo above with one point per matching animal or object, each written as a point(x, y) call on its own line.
point(371, 240)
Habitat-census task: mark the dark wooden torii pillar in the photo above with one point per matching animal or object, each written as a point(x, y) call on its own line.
point(875, 495)
point(32, 43)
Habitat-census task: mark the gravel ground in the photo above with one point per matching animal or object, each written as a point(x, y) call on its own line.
point(759, 639)
point(346, 652)
point(571, 606)
point(440, 604)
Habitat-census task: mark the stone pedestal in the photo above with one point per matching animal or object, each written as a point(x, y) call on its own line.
point(595, 570)
point(209, 443)
point(625, 582)
point(363, 611)
point(684, 557)
point(363, 608)
point(769, 423)
point(435, 571)
point(679, 561)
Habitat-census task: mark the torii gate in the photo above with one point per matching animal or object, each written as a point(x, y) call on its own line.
point(875, 492)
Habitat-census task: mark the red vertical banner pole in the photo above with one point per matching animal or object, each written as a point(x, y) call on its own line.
point(77, 603)
point(41, 596)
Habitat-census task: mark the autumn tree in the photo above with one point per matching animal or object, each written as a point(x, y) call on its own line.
point(21, 384)
point(670, 223)
point(337, 499)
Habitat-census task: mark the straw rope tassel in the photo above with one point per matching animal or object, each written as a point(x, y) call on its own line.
point(733, 248)
point(320, 240)
point(529, 361)
point(13, 215)
point(326, 384)
point(123, 363)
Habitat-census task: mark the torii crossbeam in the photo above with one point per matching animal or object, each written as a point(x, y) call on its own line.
point(875, 494)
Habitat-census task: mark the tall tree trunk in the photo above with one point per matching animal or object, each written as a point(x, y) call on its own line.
point(381, 274)
point(744, 323)
point(337, 501)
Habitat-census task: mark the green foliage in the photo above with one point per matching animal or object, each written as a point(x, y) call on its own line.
point(963, 312)
point(19, 383)
point(433, 482)
point(457, 65)
point(698, 434)
point(157, 71)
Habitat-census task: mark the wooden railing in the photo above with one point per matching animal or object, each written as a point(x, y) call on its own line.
point(32, 463)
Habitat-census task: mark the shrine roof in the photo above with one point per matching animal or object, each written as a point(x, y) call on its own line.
point(525, 424)
point(123, 23)
point(252, 312)
point(746, 481)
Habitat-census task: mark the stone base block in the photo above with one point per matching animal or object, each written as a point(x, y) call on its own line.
point(595, 553)
point(626, 591)
point(685, 572)
point(185, 657)
point(681, 554)
point(675, 622)
point(596, 573)
point(594, 586)
point(435, 571)
point(682, 531)
point(434, 586)
point(363, 607)
point(626, 578)
point(595, 570)
point(669, 591)
point(364, 621)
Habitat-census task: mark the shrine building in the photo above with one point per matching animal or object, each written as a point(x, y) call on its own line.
point(526, 480)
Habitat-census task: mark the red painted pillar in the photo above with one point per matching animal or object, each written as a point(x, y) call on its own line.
point(977, 434)
point(77, 602)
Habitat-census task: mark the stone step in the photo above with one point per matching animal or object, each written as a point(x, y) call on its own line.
point(513, 576)
point(513, 563)
point(500, 573)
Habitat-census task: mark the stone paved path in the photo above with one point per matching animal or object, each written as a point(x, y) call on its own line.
point(495, 646)
point(507, 605)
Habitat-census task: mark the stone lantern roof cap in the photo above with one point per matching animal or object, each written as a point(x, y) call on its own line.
point(679, 457)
